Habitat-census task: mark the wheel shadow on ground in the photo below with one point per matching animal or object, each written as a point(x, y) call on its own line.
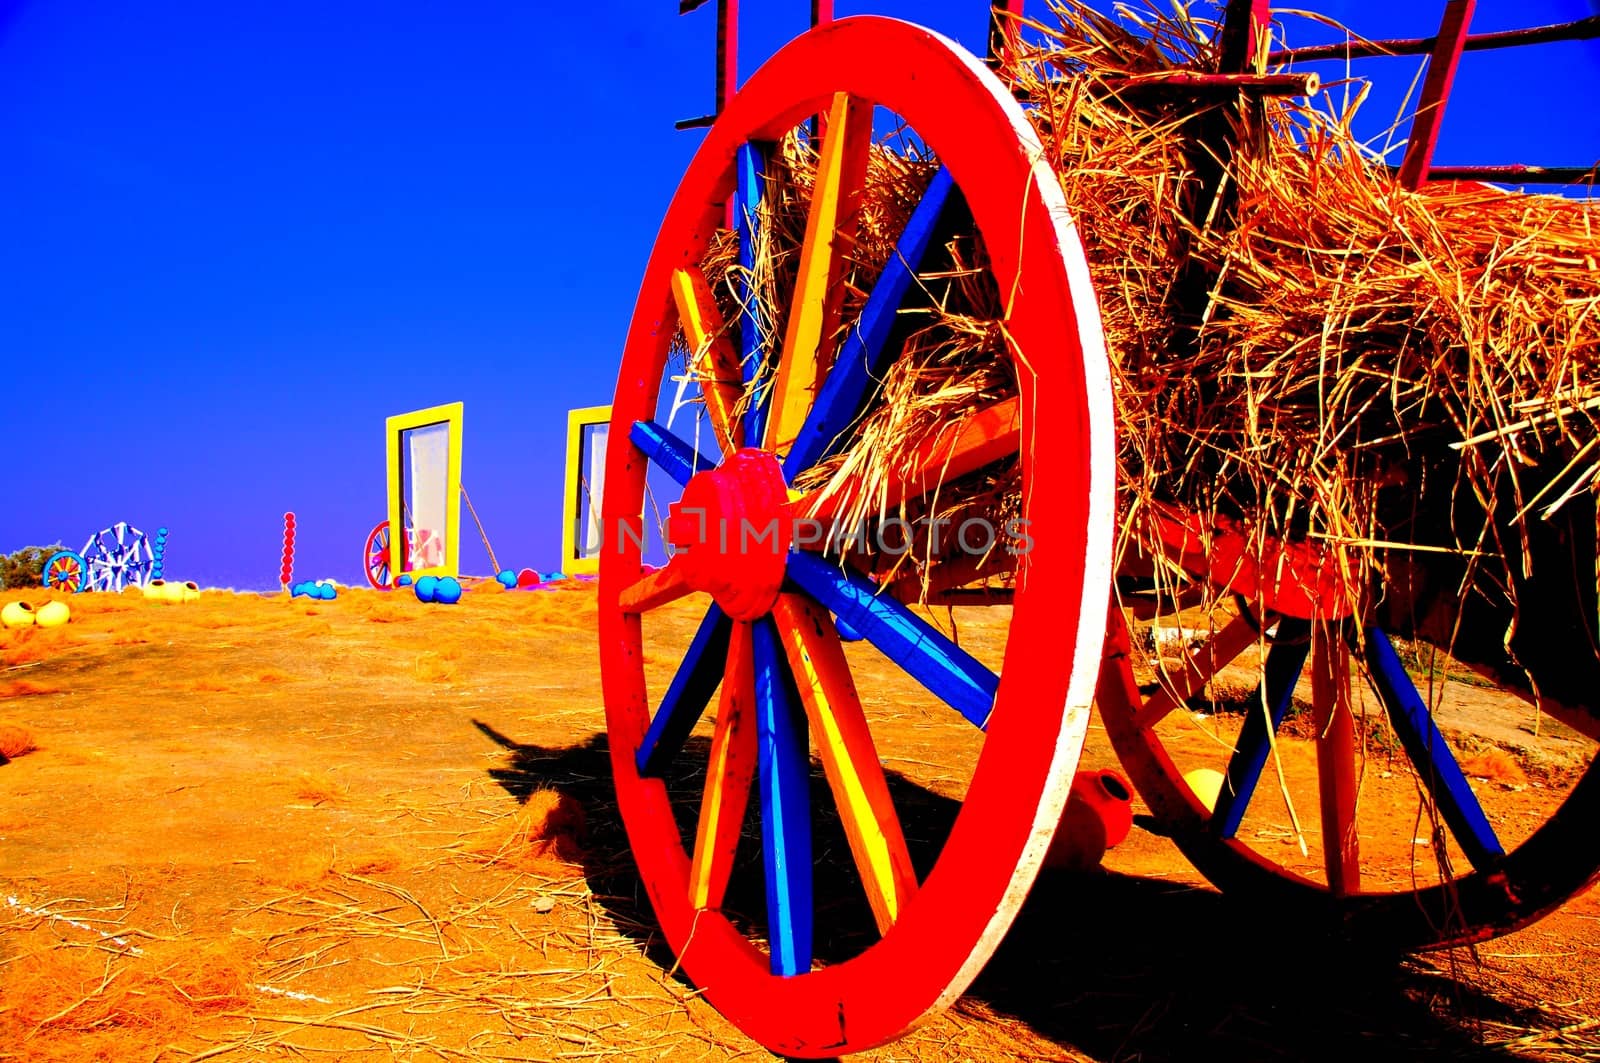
point(1112, 966)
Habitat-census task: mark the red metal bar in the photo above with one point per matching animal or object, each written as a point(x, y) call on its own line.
point(727, 61)
point(1436, 92)
point(1517, 174)
point(1245, 27)
point(1583, 29)
point(727, 51)
point(821, 14)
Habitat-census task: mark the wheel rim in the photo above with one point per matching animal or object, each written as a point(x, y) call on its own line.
point(1503, 886)
point(65, 570)
point(941, 937)
point(377, 557)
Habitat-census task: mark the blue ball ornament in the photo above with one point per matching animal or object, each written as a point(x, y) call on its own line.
point(404, 580)
point(447, 591)
point(506, 578)
point(426, 588)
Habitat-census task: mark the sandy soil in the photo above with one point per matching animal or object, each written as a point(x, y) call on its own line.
point(262, 828)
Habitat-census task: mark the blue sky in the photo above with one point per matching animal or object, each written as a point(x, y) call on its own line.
point(237, 236)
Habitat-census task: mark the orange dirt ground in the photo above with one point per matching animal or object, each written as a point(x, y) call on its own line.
point(256, 828)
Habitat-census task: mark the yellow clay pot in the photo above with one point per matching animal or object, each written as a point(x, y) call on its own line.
point(17, 614)
point(53, 614)
point(1206, 784)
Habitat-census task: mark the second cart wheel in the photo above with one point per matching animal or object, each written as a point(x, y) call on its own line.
point(1478, 859)
point(376, 558)
point(65, 570)
point(769, 635)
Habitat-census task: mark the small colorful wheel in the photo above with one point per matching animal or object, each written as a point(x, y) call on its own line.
point(815, 957)
point(65, 569)
point(377, 557)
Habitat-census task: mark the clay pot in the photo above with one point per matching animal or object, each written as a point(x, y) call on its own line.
point(17, 614)
point(52, 614)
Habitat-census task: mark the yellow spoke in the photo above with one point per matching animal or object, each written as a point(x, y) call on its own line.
point(712, 357)
point(808, 342)
point(848, 756)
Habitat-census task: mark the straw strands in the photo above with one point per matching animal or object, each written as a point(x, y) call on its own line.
point(1367, 367)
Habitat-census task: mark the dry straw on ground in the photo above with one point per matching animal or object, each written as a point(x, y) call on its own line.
point(15, 740)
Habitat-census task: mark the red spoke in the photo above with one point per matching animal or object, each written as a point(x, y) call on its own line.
point(655, 589)
point(1199, 665)
point(1338, 779)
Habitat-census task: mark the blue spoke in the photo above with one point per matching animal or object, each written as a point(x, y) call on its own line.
point(677, 458)
point(948, 671)
point(785, 804)
point(866, 353)
point(1430, 753)
point(1285, 661)
point(688, 694)
point(751, 164)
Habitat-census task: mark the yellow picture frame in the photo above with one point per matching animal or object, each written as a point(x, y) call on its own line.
point(395, 429)
point(574, 560)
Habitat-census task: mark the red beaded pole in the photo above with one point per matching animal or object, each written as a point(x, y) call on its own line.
point(286, 573)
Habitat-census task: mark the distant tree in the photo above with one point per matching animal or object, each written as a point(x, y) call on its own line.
point(25, 568)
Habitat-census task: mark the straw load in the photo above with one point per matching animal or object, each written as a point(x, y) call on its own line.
point(1410, 377)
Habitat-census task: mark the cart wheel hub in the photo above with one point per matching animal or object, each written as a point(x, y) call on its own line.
point(731, 529)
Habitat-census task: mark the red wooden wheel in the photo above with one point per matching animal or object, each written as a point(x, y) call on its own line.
point(376, 557)
point(773, 622)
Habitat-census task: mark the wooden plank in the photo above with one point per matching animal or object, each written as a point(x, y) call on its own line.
point(1003, 36)
point(1338, 778)
point(1246, 26)
point(1442, 65)
point(687, 695)
point(809, 335)
point(945, 669)
point(655, 589)
point(951, 575)
point(865, 354)
point(785, 765)
point(729, 775)
point(988, 435)
point(712, 360)
point(860, 791)
point(1199, 665)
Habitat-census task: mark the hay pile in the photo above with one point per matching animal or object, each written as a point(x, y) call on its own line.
point(1366, 366)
